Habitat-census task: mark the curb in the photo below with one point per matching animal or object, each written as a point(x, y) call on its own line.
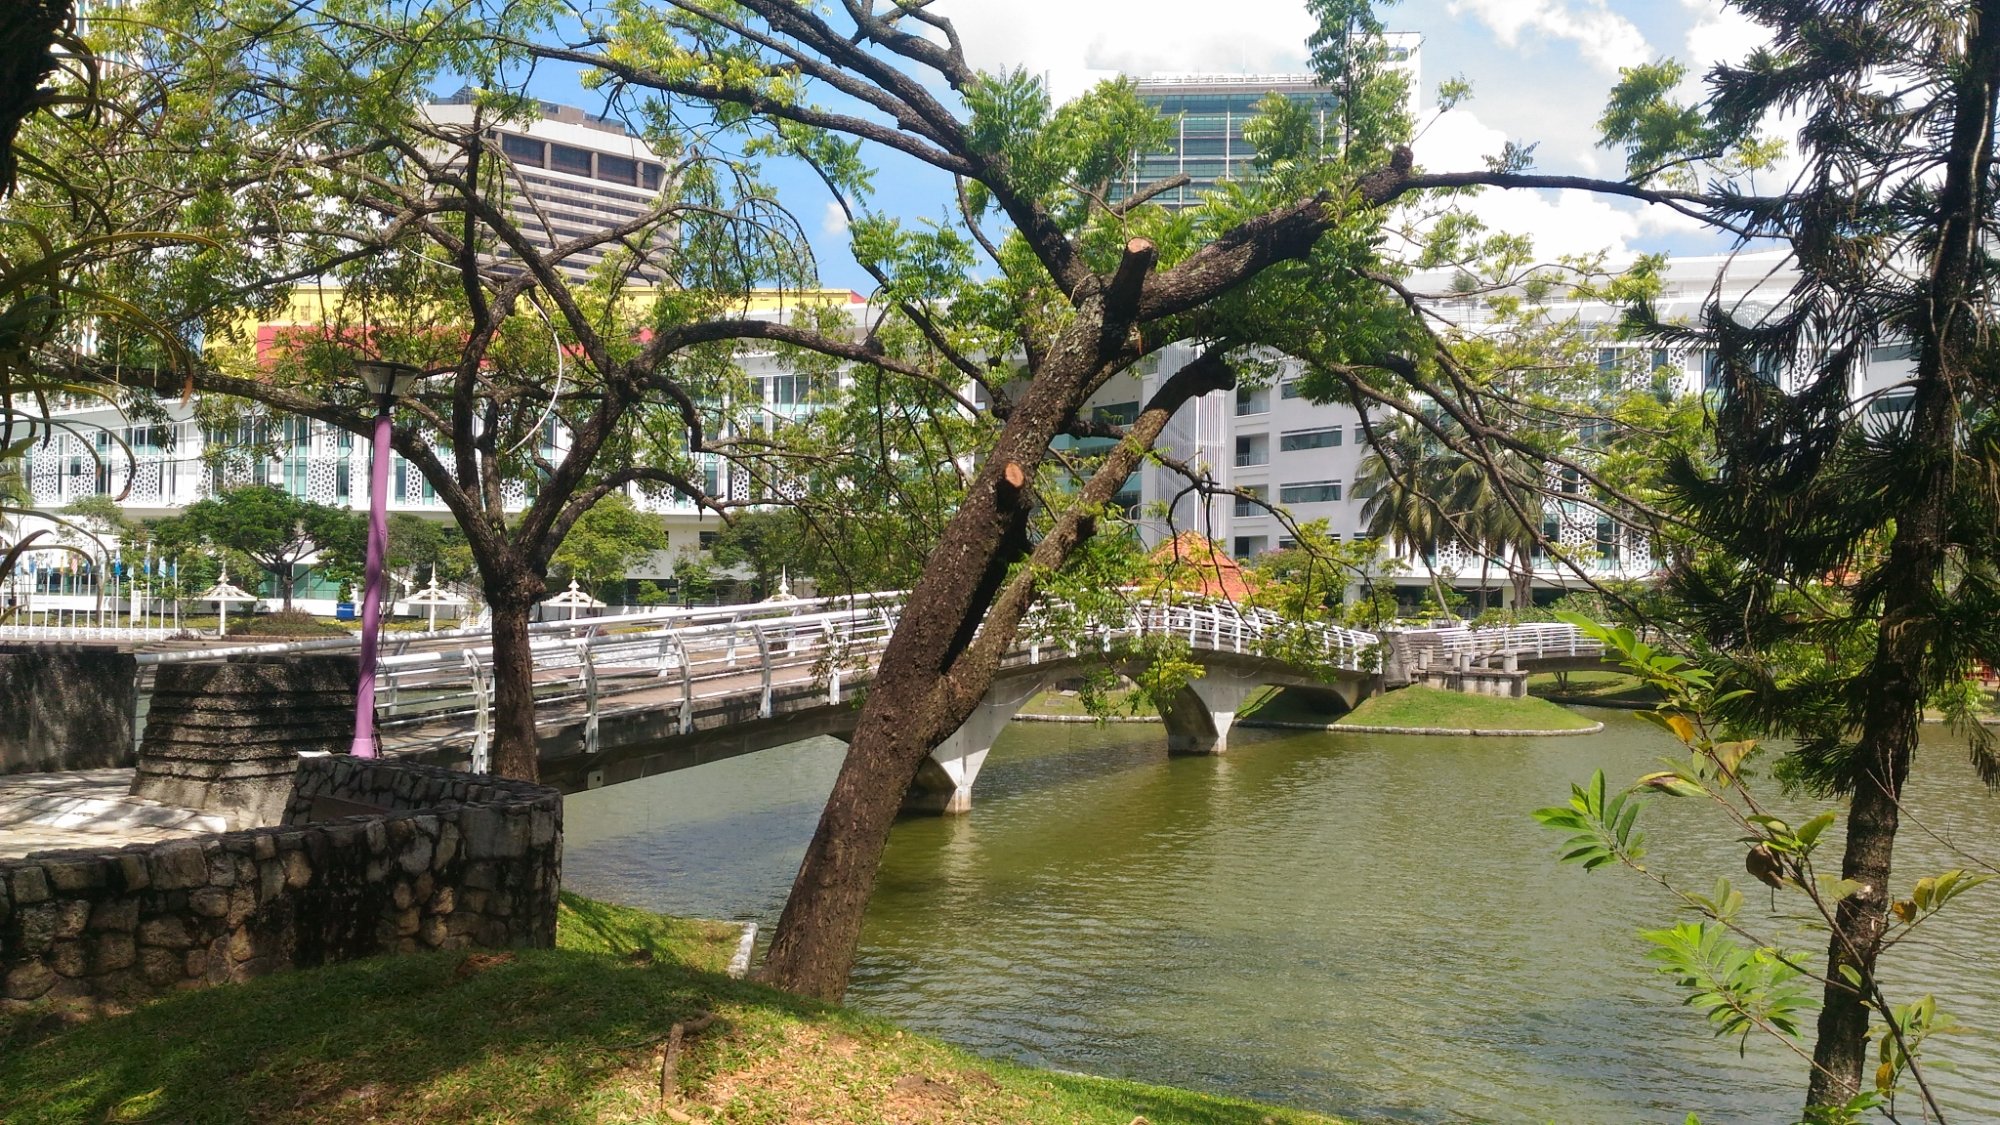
point(1587, 701)
point(739, 965)
point(1453, 732)
point(1083, 719)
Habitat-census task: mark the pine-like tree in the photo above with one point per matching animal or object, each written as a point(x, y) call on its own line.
point(1891, 224)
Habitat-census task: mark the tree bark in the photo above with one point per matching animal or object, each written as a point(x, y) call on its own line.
point(28, 32)
point(516, 751)
point(934, 672)
point(1918, 556)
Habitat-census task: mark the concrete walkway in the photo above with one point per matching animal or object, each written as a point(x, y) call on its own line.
point(87, 809)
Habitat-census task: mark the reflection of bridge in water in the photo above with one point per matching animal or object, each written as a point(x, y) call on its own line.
point(624, 697)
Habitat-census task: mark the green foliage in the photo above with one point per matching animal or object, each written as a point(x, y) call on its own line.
point(607, 539)
point(421, 547)
point(271, 527)
point(1601, 826)
point(1738, 989)
point(1739, 983)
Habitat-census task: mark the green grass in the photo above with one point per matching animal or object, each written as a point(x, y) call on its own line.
point(571, 1034)
point(1069, 703)
point(1291, 705)
point(1614, 687)
point(1422, 706)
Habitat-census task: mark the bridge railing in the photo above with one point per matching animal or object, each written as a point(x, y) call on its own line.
point(1533, 641)
point(438, 688)
point(1214, 626)
point(594, 672)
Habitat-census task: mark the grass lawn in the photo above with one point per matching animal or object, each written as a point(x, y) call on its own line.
point(573, 1034)
point(1291, 705)
point(1067, 703)
point(1422, 706)
point(1612, 686)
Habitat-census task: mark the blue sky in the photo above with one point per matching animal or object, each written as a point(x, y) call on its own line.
point(1540, 71)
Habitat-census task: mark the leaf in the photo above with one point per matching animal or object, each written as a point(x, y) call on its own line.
point(1809, 832)
point(1682, 728)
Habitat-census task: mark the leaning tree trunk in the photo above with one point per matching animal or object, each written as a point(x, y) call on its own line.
point(919, 696)
point(1892, 711)
point(515, 751)
point(905, 715)
point(946, 648)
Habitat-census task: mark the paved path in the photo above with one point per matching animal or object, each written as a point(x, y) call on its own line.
point(87, 809)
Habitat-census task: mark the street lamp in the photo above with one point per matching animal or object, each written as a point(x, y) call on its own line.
point(386, 381)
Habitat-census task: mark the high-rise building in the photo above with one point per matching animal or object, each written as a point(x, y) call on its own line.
point(1209, 112)
point(577, 174)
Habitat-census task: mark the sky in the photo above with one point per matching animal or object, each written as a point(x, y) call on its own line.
point(1540, 72)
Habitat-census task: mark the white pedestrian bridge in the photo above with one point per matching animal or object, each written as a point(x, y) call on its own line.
point(627, 696)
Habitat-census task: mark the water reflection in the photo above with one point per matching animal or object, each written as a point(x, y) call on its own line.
point(1363, 924)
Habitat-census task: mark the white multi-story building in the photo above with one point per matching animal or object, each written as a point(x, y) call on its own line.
point(1209, 111)
point(153, 469)
point(575, 174)
point(1306, 457)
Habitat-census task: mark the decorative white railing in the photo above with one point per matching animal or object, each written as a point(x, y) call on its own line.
point(1537, 641)
point(434, 688)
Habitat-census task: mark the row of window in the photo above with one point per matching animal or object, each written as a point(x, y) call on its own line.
point(1249, 546)
point(1298, 492)
point(536, 153)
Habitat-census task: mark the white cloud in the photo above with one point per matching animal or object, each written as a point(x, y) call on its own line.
point(1565, 222)
point(1720, 34)
point(1077, 43)
point(1605, 39)
point(833, 222)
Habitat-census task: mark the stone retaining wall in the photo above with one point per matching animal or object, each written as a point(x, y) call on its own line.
point(436, 860)
point(67, 707)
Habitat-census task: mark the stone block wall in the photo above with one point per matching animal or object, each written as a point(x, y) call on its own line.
point(444, 860)
point(224, 738)
point(65, 707)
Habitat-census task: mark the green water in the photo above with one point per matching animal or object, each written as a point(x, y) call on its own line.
point(1368, 925)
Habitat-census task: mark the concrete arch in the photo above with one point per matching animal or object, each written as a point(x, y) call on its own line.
point(944, 781)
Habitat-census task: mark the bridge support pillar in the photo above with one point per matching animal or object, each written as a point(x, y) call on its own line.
point(1200, 714)
point(943, 785)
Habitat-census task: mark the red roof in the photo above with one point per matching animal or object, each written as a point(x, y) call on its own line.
point(1195, 563)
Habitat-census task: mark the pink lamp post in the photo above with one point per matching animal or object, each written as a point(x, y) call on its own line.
point(386, 382)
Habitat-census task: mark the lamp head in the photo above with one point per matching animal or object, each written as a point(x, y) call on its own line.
point(387, 378)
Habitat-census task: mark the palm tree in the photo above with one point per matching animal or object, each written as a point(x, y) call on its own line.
point(1405, 480)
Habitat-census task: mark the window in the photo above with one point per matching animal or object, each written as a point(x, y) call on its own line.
point(1256, 401)
point(708, 539)
point(343, 481)
point(1893, 404)
point(575, 161)
point(522, 150)
point(1310, 492)
point(1286, 542)
point(1299, 440)
point(1289, 389)
point(617, 169)
point(1248, 545)
point(1253, 449)
point(1116, 413)
point(1898, 352)
point(1245, 507)
point(649, 176)
point(401, 473)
